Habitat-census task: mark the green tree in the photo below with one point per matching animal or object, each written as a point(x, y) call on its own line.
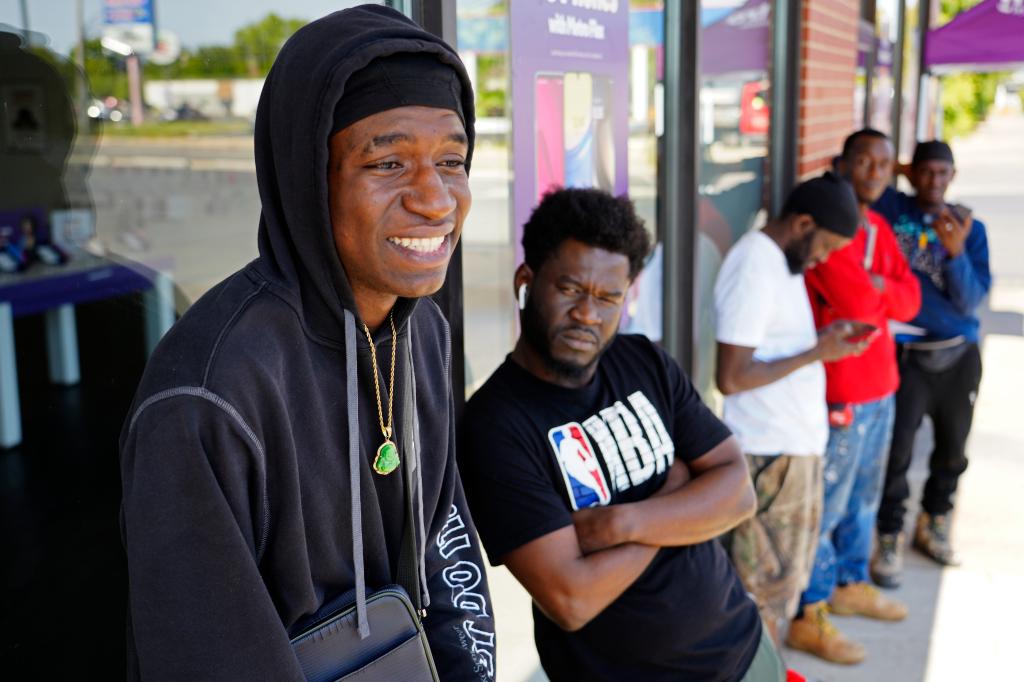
point(966, 97)
point(492, 84)
point(105, 71)
point(258, 43)
point(212, 61)
point(252, 52)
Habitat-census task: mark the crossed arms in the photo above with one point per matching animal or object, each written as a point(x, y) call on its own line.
point(575, 572)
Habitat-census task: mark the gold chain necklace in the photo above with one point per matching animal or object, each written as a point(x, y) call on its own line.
point(386, 460)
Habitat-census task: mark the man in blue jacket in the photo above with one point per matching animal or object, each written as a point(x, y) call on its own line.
point(939, 360)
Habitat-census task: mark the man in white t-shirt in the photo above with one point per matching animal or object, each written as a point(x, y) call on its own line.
point(770, 371)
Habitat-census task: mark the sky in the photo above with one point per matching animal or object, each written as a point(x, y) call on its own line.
point(197, 22)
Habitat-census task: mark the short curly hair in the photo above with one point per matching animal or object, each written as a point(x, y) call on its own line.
point(591, 216)
point(850, 144)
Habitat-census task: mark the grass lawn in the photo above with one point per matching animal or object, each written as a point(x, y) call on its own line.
point(179, 128)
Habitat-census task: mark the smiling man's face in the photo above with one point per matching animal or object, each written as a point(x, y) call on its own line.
point(868, 168)
point(398, 195)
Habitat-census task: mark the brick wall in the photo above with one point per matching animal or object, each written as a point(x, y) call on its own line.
point(828, 58)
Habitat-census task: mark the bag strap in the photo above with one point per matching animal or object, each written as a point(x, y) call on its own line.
point(408, 575)
point(869, 247)
point(354, 464)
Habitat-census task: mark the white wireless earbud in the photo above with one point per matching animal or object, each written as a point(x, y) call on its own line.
point(522, 296)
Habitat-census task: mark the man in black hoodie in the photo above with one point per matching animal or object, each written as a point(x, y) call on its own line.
point(257, 458)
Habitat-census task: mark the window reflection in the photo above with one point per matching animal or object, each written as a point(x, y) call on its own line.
point(883, 81)
point(124, 195)
point(735, 120)
point(489, 249)
point(911, 52)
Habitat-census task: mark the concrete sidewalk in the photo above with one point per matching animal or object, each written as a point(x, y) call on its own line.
point(963, 622)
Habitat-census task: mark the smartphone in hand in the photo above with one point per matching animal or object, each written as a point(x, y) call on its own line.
point(961, 212)
point(862, 331)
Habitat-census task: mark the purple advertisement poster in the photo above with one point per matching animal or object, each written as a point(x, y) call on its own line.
point(570, 92)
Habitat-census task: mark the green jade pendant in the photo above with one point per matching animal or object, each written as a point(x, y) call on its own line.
point(386, 460)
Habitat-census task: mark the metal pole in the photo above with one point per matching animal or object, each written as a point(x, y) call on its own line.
point(897, 71)
point(682, 98)
point(82, 90)
point(923, 24)
point(135, 88)
point(10, 408)
point(24, 23)
point(785, 109)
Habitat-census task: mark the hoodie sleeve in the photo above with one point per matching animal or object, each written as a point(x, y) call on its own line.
point(844, 284)
point(193, 486)
point(967, 275)
point(902, 294)
point(460, 619)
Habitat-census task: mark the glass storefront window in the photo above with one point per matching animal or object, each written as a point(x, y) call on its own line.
point(490, 248)
point(734, 129)
point(643, 312)
point(125, 196)
point(911, 55)
point(554, 100)
point(883, 81)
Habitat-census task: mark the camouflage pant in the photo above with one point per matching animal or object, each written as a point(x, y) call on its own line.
point(774, 551)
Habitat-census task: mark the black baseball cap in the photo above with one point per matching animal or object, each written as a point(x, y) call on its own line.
point(829, 200)
point(932, 150)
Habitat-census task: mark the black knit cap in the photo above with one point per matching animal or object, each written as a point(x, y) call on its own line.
point(933, 150)
point(829, 200)
point(398, 80)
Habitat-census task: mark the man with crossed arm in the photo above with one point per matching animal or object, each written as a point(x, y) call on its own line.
point(599, 478)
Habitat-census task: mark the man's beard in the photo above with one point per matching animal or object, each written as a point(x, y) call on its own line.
point(798, 253)
point(533, 332)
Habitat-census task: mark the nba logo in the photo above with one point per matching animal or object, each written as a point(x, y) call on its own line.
point(580, 468)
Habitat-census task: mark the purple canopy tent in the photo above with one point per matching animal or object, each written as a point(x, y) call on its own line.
point(738, 42)
point(987, 37)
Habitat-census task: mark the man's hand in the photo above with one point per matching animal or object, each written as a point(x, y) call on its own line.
point(833, 343)
point(569, 587)
point(678, 475)
point(597, 527)
point(952, 226)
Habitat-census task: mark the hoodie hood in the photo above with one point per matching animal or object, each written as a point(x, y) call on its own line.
point(293, 126)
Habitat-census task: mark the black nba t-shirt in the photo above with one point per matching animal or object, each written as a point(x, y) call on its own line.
point(532, 452)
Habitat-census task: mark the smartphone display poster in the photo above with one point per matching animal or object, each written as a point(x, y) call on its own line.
point(570, 89)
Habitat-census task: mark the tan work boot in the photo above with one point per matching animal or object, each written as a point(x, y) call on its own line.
point(931, 538)
point(814, 633)
point(887, 562)
point(862, 599)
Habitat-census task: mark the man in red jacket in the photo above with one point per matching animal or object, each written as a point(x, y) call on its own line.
point(868, 281)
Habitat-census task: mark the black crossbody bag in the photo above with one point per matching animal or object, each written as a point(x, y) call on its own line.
point(329, 646)
point(361, 638)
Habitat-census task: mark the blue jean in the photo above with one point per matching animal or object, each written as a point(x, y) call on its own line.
point(854, 471)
